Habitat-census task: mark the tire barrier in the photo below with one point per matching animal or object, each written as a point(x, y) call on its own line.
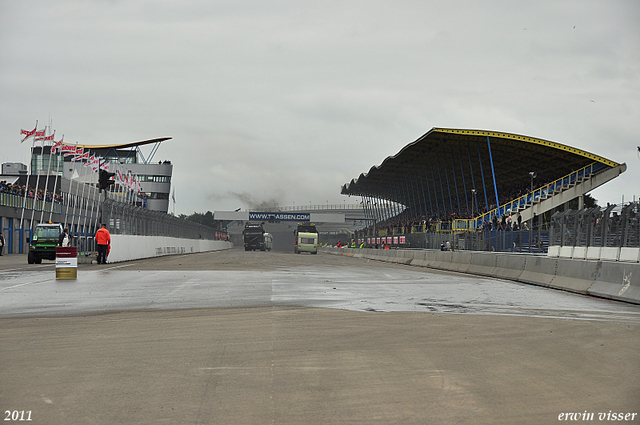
point(614, 280)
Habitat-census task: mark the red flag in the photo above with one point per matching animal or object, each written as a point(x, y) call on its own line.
point(80, 157)
point(28, 133)
point(56, 146)
point(47, 138)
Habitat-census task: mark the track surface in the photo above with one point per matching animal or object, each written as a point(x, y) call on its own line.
point(267, 337)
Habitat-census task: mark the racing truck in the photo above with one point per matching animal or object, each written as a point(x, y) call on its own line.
point(253, 235)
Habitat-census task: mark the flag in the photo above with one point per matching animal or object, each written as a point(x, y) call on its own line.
point(56, 146)
point(173, 195)
point(27, 133)
point(80, 157)
point(43, 137)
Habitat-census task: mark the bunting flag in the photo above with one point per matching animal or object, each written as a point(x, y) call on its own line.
point(40, 136)
point(56, 145)
point(45, 138)
point(68, 150)
point(92, 163)
point(129, 181)
point(80, 156)
point(27, 133)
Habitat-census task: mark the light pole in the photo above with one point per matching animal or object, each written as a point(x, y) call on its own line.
point(473, 197)
point(533, 175)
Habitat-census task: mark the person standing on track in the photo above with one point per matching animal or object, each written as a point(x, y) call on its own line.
point(103, 239)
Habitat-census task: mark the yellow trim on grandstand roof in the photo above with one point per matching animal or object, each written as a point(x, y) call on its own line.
point(528, 139)
point(123, 145)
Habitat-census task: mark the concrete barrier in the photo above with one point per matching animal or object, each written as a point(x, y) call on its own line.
point(566, 252)
point(553, 251)
point(133, 247)
point(618, 281)
point(609, 253)
point(482, 263)
point(539, 270)
point(510, 266)
point(629, 254)
point(593, 253)
point(574, 275)
point(606, 279)
point(460, 261)
point(579, 252)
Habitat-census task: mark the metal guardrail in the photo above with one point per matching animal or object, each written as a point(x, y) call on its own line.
point(611, 226)
point(18, 201)
point(321, 207)
point(529, 199)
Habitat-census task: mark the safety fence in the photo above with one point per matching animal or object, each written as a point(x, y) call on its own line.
point(127, 219)
point(610, 226)
point(82, 215)
point(535, 240)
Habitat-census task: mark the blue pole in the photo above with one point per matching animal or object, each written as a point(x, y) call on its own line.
point(484, 188)
point(495, 187)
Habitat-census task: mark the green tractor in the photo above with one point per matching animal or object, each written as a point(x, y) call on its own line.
point(43, 243)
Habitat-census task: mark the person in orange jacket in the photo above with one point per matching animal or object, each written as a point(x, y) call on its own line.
point(103, 239)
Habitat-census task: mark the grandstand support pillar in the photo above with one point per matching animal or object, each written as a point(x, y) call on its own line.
point(407, 195)
point(493, 173)
point(446, 174)
point(464, 183)
point(580, 202)
point(424, 198)
point(416, 197)
point(435, 191)
point(455, 183)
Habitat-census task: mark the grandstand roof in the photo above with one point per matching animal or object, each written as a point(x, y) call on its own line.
point(452, 161)
point(125, 145)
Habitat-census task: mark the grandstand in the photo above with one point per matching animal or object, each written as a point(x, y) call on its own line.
point(460, 180)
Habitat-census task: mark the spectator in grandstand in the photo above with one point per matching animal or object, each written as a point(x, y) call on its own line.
point(1, 243)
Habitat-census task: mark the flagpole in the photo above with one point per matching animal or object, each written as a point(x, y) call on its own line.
point(79, 210)
point(69, 198)
point(86, 212)
point(26, 185)
point(94, 210)
point(55, 183)
point(35, 192)
point(46, 183)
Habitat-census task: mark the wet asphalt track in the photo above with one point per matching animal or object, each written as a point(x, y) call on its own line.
point(275, 338)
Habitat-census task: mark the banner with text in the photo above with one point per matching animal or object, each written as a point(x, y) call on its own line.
point(279, 216)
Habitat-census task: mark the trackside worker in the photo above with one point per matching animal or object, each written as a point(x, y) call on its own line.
point(103, 239)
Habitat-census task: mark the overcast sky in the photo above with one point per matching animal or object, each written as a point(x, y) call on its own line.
point(285, 101)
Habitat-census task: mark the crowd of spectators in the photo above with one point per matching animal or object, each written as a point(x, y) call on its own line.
point(507, 222)
point(39, 194)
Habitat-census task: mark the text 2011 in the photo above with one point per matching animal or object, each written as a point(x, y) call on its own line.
point(17, 415)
